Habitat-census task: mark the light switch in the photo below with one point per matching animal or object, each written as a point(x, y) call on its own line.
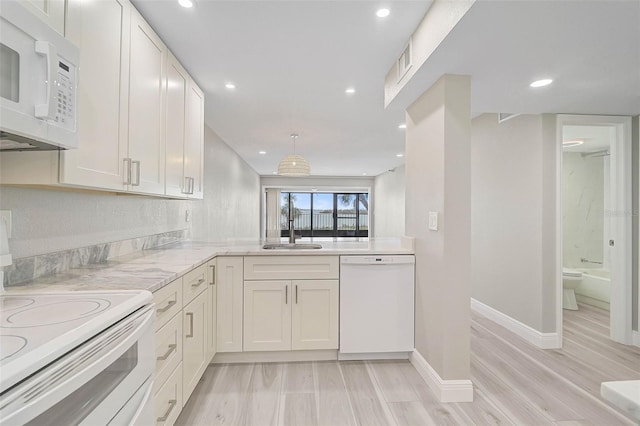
point(433, 221)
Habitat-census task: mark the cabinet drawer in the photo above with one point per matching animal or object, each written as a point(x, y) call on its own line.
point(290, 267)
point(168, 350)
point(168, 302)
point(194, 282)
point(168, 399)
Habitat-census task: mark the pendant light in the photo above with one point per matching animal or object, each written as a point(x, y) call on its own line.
point(294, 164)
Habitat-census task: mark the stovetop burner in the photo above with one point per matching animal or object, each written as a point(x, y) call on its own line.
point(10, 345)
point(54, 313)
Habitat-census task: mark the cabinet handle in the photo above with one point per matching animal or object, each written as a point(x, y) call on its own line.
point(185, 187)
point(127, 170)
point(190, 315)
point(172, 347)
point(296, 294)
point(137, 163)
point(286, 295)
point(192, 186)
point(200, 281)
point(213, 274)
point(166, 308)
point(172, 403)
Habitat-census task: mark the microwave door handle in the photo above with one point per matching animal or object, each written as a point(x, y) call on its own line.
point(48, 50)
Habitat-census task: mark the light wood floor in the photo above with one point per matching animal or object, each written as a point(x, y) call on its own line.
point(515, 383)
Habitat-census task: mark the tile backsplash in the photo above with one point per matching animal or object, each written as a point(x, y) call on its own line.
point(29, 268)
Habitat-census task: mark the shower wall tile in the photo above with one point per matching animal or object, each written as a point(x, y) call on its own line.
point(583, 209)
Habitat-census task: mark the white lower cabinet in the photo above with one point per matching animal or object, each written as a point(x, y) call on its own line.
point(194, 343)
point(168, 399)
point(314, 313)
point(212, 320)
point(267, 316)
point(229, 279)
point(290, 315)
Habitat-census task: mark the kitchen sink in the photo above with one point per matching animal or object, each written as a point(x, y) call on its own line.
point(298, 246)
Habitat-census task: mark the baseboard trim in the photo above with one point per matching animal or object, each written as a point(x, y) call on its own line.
point(531, 335)
point(276, 356)
point(446, 390)
point(369, 356)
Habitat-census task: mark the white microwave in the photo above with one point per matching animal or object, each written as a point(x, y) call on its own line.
point(38, 83)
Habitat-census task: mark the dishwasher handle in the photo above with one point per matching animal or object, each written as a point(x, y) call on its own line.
point(378, 260)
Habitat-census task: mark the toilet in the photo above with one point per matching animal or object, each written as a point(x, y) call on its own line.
point(571, 279)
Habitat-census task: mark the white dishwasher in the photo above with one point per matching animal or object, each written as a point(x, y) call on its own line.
point(376, 306)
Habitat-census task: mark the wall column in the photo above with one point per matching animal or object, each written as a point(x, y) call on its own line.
point(438, 139)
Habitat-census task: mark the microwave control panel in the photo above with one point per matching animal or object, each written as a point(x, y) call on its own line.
point(66, 102)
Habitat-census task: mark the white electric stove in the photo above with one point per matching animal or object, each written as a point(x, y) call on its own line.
point(63, 356)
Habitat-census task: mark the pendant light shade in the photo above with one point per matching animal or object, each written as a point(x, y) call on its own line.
point(294, 164)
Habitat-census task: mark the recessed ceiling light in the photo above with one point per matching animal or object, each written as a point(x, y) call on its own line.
point(383, 13)
point(185, 3)
point(402, 126)
point(573, 142)
point(230, 86)
point(275, 173)
point(541, 83)
point(262, 152)
point(400, 155)
point(350, 91)
point(364, 174)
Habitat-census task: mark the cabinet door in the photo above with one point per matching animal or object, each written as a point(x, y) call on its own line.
point(49, 11)
point(101, 30)
point(315, 314)
point(176, 93)
point(229, 281)
point(194, 142)
point(267, 315)
point(211, 315)
point(146, 99)
point(194, 344)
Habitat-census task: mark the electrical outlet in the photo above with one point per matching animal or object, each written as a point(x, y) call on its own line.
point(433, 221)
point(6, 217)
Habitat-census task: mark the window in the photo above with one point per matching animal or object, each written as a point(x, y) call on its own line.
point(325, 214)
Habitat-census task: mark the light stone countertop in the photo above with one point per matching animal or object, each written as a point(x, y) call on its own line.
point(153, 269)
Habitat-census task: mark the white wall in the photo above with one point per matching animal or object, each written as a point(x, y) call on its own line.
point(47, 220)
point(388, 210)
point(513, 215)
point(231, 206)
point(438, 180)
point(583, 209)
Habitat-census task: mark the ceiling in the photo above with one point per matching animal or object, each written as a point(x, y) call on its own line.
point(291, 62)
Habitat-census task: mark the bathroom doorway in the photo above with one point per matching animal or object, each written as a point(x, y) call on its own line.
point(594, 219)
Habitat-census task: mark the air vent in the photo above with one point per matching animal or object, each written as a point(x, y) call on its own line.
point(405, 61)
point(504, 116)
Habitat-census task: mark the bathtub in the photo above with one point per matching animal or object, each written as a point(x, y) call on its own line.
point(595, 288)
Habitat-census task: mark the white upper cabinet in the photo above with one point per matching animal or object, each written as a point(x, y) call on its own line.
point(194, 141)
point(146, 97)
point(184, 129)
point(101, 30)
point(50, 11)
point(176, 86)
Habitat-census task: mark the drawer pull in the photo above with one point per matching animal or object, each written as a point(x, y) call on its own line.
point(296, 294)
point(166, 308)
point(172, 403)
point(190, 315)
point(286, 295)
point(200, 281)
point(213, 274)
point(172, 347)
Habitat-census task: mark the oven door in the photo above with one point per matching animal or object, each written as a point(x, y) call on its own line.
point(107, 380)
